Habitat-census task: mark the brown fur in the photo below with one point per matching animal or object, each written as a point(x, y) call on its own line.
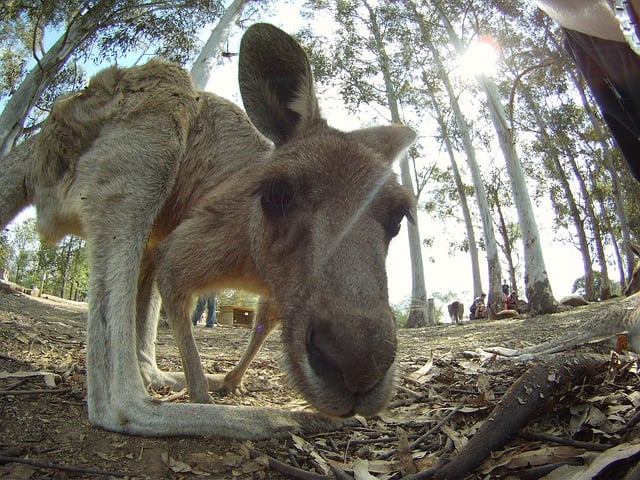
point(633, 285)
point(574, 301)
point(177, 193)
point(506, 313)
point(456, 311)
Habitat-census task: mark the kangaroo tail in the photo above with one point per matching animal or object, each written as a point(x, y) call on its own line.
point(16, 185)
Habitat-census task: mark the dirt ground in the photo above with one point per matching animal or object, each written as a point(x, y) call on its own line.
point(44, 419)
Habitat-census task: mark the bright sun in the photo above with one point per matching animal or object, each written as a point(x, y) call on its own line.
point(480, 57)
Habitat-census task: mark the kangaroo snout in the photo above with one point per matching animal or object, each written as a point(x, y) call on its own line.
point(354, 358)
point(342, 362)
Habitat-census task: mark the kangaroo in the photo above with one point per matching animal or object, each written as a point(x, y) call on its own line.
point(633, 284)
point(456, 311)
point(179, 192)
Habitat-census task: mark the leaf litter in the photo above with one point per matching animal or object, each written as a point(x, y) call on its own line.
point(586, 428)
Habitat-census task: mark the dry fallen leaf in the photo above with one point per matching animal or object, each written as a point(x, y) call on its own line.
point(459, 441)
point(599, 464)
point(308, 448)
point(543, 456)
point(421, 376)
point(178, 467)
point(404, 453)
point(361, 470)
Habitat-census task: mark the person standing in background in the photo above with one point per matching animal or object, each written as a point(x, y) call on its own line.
point(209, 302)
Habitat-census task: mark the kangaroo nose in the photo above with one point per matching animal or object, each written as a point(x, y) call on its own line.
point(355, 356)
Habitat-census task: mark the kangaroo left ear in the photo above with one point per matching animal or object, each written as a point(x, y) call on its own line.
point(276, 83)
point(389, 140)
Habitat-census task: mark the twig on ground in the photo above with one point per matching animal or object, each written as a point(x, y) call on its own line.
point(541, 471)
point(175, 396)
point(425, 436)
point(366, 441)
point(38, 391)
point(62, 468)
point(628, 427)
point(340, 474)
point(408, 391)
point(13, 359)
point(600, 447)
point(433, 430)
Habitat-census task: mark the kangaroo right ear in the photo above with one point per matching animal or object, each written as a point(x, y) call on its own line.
point(276, 83)
point(389, 140)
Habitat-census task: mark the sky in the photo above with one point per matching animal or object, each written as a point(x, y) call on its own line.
point(444, 272)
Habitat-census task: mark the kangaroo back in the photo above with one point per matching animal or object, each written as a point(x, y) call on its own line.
point(16, 186)
point(114, 94)
point(157, 99)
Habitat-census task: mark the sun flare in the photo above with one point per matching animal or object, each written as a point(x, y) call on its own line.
point(481, 57)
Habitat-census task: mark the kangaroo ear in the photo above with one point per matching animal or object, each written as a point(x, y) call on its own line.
point(389, 141)
point(276, 83)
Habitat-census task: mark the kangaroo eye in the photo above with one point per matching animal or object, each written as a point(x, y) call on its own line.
point(393, 223)
point(278, 198)
point(392, 228)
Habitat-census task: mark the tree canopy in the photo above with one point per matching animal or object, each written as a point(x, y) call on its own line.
point(529, 131)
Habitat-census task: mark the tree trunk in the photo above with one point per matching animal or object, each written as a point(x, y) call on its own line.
point(66, 262)
point(202, 66)
point(605, 282)
point(464, 204)
point(605, 288)
point(418, 315)
point(493, 260)
point(537, 284)
point(619, 262)
point(578, 221)
point(504, 233)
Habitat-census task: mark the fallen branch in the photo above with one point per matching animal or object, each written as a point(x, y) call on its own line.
point(528, 354)
point(616, 318)
point(62, 468)
point(633, 474)
point(4, 356)
point(532, 390)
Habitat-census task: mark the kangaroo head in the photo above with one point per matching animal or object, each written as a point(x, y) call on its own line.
point(325, 208)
